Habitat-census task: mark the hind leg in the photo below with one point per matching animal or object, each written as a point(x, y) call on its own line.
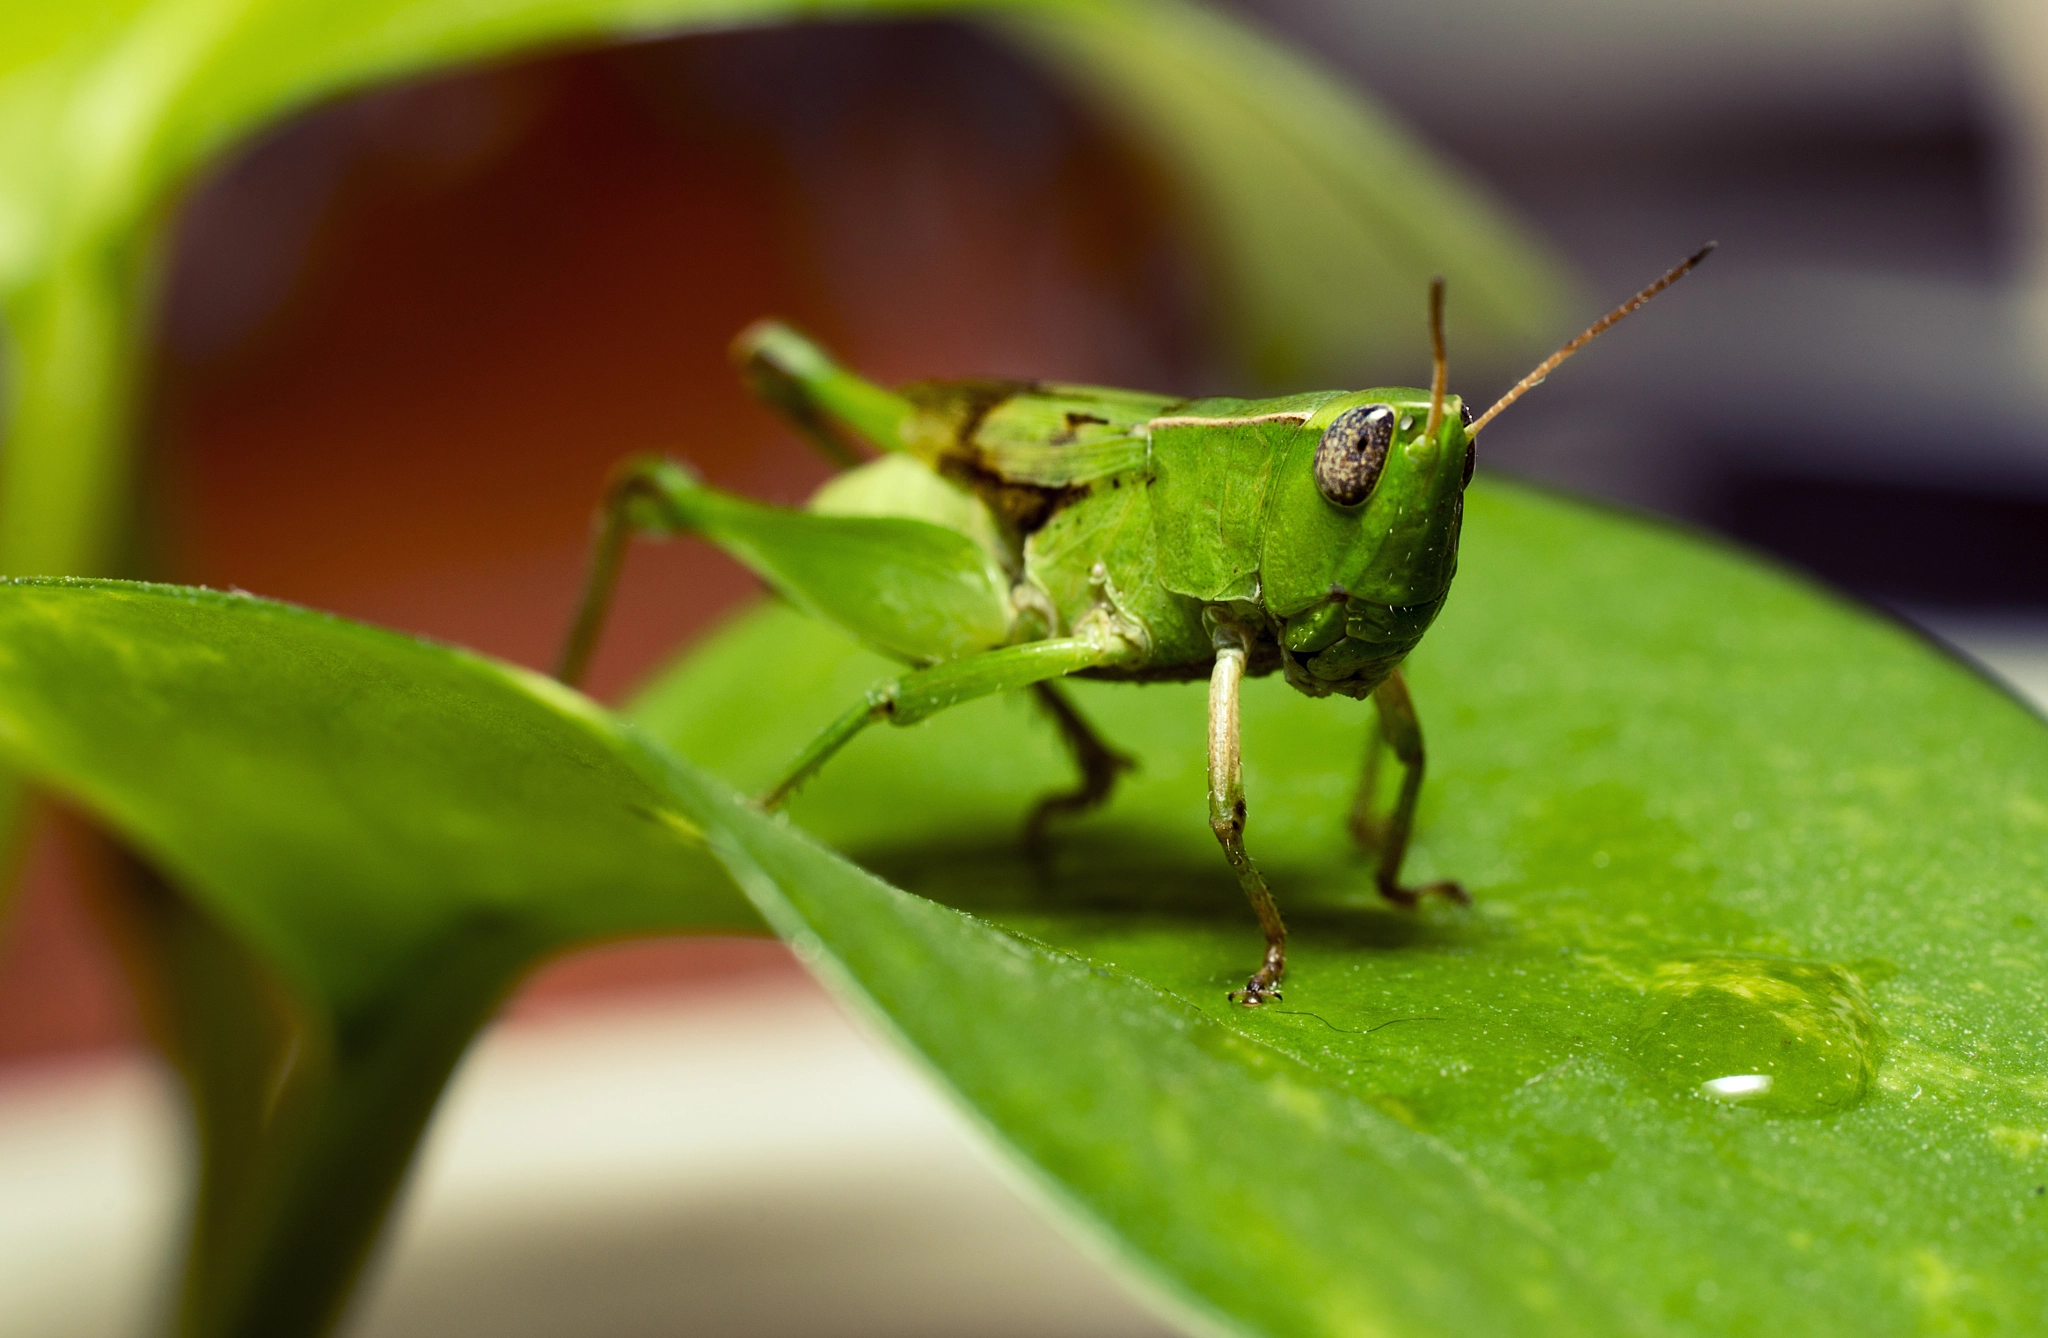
point(831, 407)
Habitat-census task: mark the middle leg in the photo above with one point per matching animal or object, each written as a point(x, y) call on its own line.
point(925, 692)
point(1099, 765)
point(1365, 826)
point(1398, 732)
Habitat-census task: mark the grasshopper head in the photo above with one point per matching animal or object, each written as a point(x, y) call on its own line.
point(1356, 568)
point(1362, 539)
point(1358, 561)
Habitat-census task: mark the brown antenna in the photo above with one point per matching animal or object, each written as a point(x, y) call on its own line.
point(1593, 331)
point(1440, 371)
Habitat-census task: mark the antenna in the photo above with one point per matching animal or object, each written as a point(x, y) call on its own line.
point(1440, 372)
point(1593, 331)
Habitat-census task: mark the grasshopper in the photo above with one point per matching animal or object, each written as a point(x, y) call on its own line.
point(1011, 534)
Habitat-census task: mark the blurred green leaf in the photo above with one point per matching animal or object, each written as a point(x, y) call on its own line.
point(369, 838)
point(1327, 221)
point(1719, 829)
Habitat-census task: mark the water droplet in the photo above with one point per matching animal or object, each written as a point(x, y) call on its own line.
point(1770, 1034)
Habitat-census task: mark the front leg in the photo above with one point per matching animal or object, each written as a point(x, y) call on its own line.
point(1401, 732)
point(1226, 815)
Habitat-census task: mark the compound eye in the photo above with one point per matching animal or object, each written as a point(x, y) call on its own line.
point(1352, 453)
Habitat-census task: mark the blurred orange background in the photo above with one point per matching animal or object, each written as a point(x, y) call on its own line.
point(405, 336)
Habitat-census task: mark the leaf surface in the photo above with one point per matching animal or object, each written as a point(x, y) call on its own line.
point(1720, 829)
point(332, 790)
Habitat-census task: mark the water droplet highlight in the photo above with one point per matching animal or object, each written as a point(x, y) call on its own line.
point(1737, 1086)
point(1766, 1033)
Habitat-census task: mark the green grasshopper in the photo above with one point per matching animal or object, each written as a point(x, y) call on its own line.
point(1012, 533)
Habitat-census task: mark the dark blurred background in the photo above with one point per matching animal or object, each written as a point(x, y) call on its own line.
point(406, 333)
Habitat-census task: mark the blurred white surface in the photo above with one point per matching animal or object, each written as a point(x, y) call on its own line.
point(2013, 650)
point(751, 1165)
point(90, 1183)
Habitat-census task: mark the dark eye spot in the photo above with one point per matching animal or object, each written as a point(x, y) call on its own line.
point(1465, 413)
point(1352, 453)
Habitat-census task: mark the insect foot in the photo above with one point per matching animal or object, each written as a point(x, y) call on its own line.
point(1264, 985)
point(1408, 898)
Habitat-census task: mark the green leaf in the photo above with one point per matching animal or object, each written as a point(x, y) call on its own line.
point(1717, 827)
point(1328, 220)
point(1248, 1186)
point(370, 837)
